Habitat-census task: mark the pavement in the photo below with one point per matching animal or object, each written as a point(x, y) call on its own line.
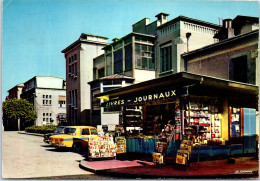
point(229, 168)
point(35, 134)
point(240, 167)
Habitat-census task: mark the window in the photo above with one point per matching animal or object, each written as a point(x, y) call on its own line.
point(95, 101)
point(101, 72)
point(128, 57)
point(46, 100)
point(43, 114)
point(76, 98)
point(118, 61)
point(62, 104)
point(70, 130)
point(93, 131)
point(109, 64)
point(75, 57)
point(43, 119)
point(69, 60)
point(166, 58)
point(238, 69)
point(144, 57)
point(85, 131)
point(75, 71)
point(72, 69)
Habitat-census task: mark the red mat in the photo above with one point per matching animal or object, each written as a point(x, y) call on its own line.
point(112, 164)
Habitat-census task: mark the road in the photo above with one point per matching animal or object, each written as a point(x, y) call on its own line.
point(27, 156)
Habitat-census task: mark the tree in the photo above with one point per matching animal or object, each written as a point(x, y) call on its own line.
point(18, 109)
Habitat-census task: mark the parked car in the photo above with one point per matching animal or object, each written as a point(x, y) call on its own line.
point(59, 130)
point(75, 137)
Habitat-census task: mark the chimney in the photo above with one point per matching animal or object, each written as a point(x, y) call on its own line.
point(227, 24)
point(162, 18)
point(115, 40)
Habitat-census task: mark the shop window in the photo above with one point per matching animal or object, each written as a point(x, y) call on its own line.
point(238, 69)
point(166, 58)
point(118, 61)
point(235, 122)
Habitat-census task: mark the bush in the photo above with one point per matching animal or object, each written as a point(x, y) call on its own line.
point(41, 129)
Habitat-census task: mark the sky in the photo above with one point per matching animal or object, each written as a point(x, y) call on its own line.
point(35, 31)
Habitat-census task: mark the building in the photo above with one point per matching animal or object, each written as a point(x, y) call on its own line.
point(216, 99)
point(15, 92)
point(151, 50)
point(79, 71)
point(107, 117)
point(234, 57)
point(177, 36)
point(48, 96)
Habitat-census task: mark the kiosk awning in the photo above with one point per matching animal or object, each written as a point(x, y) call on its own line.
point(184, 83)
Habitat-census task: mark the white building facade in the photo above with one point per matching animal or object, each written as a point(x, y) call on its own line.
point(48, 95)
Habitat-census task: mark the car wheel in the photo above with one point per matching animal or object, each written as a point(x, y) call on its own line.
point(77, 146)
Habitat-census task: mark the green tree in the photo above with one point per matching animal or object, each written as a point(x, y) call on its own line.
point(16, 109)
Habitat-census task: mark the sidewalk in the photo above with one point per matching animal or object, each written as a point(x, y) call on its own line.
point(139, 169)
point(35, 134)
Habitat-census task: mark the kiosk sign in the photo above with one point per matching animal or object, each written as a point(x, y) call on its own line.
point(141, 99)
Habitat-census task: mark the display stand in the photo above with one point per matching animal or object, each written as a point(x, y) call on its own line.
point(167, 135)
point(102, 146)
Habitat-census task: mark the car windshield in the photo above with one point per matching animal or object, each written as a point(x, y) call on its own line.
point(93, 131)
point(58, 130)
point(71, 131)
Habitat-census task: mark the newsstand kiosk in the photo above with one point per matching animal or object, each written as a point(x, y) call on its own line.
point(207, 116)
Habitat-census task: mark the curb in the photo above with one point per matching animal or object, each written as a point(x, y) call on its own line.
point(34, 134)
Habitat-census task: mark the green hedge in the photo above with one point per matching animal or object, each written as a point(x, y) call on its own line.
point(41, 129)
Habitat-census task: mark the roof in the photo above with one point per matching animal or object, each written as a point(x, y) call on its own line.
point(183, 79)
point(184, 18)
point(162, 13)
point(221, 43)
point(130, 34)
point(112, 77)
point(18, 85)
point(82, 39)
point(43, 76)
